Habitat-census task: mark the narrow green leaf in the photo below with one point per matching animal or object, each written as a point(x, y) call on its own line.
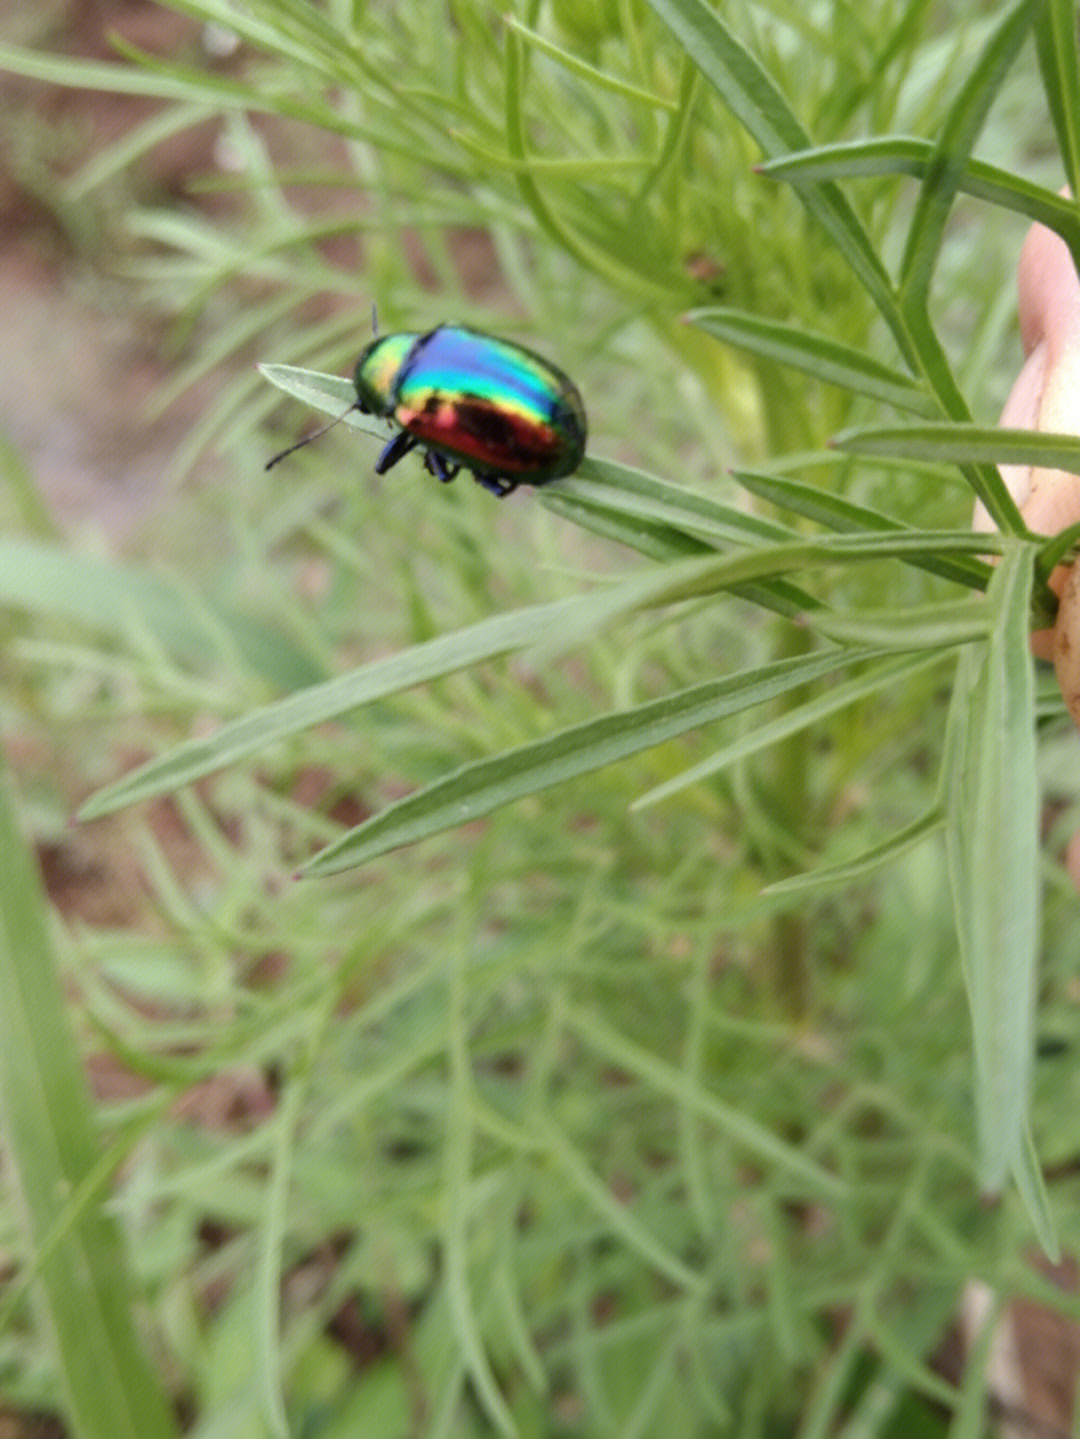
point(595, 78)
point(1027, 1173)
point(331, 699)
point(677, 135)
point(333, 61)
point(668, 523)
point(674, 1082)
point(905, 627)
point(825, 507)
point(458, 1202)
point(127, 603)
point(118, 156)
point(558, 168)
point(170, 82)
point(478, 789)
point(760, 107)
point(51, 1148)
point(955, 444)
point(850, 871)
point(328, 393)
point(22, 493)
point(762, 110)
point(802, 717)
point(710, 575)
point(992, 832)
point(274, 32)
point(270, 1260)
point(906, 155)
point(856, 159)
point(965, 444)
point(946, 167)
point(630, 492)
point(565, 622)
point(819, 355)
point(573, 241)
point(1059, 549)
point(644, 537)
point(1056, 45)
point(698, 578)
point(619, 1218)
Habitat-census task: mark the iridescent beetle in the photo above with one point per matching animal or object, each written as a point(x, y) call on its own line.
point(471, 402)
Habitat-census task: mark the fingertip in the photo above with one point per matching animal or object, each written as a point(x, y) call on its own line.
point(1048, 290)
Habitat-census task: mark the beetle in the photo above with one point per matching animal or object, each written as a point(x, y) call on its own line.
point(470, 401)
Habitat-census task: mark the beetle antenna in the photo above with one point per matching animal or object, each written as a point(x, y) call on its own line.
point(374, 318)
point(313, 436)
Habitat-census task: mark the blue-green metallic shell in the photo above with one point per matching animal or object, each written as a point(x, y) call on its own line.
point(472, 400)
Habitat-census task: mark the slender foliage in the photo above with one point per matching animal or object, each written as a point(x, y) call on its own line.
point(684, 811)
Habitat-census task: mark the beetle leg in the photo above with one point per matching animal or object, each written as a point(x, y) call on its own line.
point(439, 466)
point(396, 450)
point(497, 485)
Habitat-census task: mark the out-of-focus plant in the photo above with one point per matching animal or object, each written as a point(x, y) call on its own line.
point(570, 1050)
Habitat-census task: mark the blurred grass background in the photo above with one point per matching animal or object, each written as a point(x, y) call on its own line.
point(556, 1124)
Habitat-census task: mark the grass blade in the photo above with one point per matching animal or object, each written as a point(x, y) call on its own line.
point(957, 444)
point(1055, 40)
point(667, 522)
point(869, 862)
point(905, 627)
point(762, 110)
point(946, 167)
point(131, 604)
point(665, 1079)
point(171, 82)
point(846, 517)
point(630, 492)
point(52, 1144)
point(478, 789)
point(967, 444)
point(907, 155)
point(815, 354)
point(564, 622)
point(992, 832)
point(795, 720)
point(329, 700)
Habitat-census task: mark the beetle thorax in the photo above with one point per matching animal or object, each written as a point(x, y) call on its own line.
point(377, 371)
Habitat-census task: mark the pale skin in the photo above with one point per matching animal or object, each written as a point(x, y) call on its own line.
point(1046, 396)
